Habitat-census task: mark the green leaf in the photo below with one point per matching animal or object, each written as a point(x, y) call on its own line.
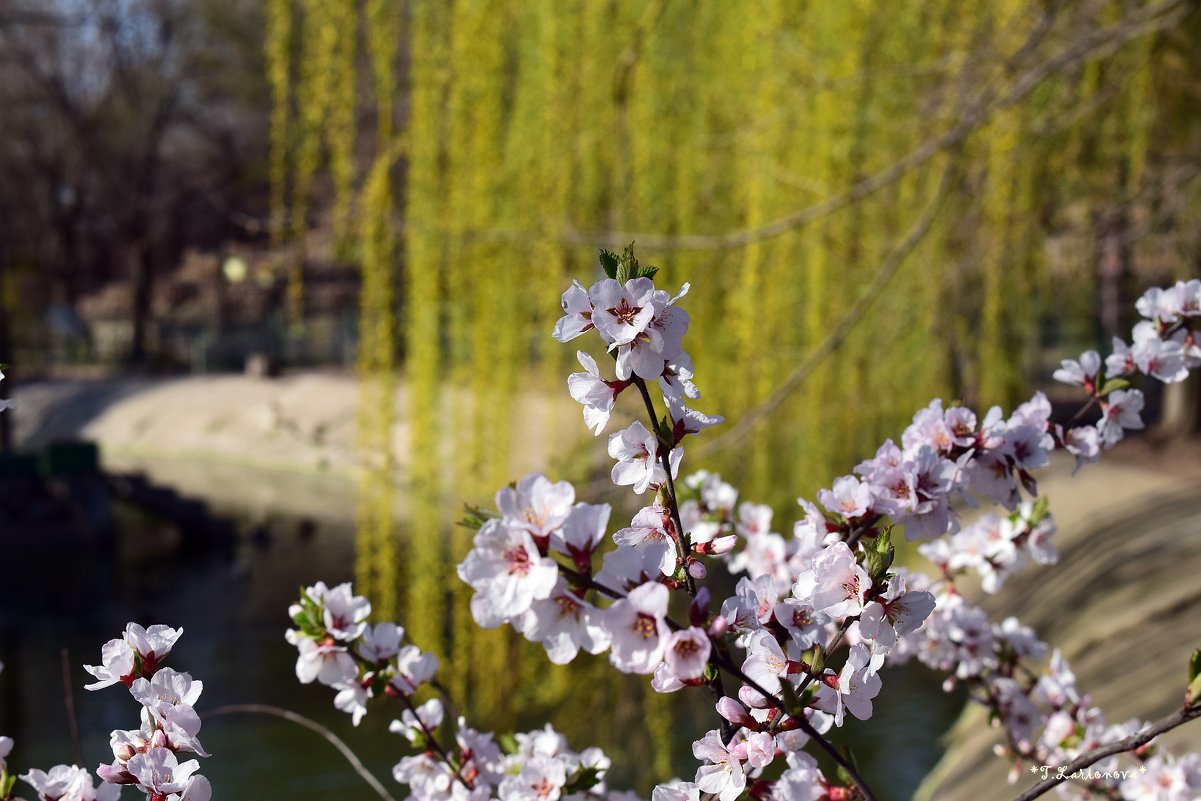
point(665, 433)
point(1194, 678)
point(585, 780)
point(1113, 385)
point(609, 262)
point(508, 743)
point(475, 517)
point(879, 558)
point(815, 658)
point(628, 266)
point(7, 780)
point(646, 272)
point(792, 704)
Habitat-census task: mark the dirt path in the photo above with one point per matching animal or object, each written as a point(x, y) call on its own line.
point(256, 444)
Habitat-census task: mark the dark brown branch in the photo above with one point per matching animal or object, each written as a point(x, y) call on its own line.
point(1121, 746)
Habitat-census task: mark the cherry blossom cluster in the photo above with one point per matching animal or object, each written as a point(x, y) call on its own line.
point(68, 783)
point(1047, 720)
point(643, 329)
point(341, 648)
point(830, 584)
point(148, 757)
point(996, 546)
point(1164, 346)
point(533, 561)
point(949, 454)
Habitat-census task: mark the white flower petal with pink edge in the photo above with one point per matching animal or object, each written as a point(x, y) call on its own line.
point(638, 627)
point(507, 572)
point(117, 665)
point(536, 504)
point(577, 313)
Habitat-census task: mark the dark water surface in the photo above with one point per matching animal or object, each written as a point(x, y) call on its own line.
point(233, 612)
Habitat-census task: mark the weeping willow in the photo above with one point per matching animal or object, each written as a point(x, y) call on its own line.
point(378, 572)
point(513, 138)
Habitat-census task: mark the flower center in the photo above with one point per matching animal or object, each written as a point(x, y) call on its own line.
point(644, 626)
point(686, 648)
point(518, 559)
point(625, 312)
point(567, 606)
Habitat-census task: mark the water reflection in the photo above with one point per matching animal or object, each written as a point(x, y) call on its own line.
point(233, 614)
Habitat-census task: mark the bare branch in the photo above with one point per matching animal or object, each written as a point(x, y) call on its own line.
point(1121, 746)
point(312, 725)
point(838, 334)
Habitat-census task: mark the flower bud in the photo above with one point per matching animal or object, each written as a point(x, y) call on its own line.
point(716, 546)
point(735, 712)
point(753, 698)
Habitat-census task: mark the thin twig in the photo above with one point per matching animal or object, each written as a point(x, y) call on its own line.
point(69, 699)
point(431, 741)
point(1121, 746)
point(842, 329)
point(842, 761)
point(312, 725)
point(681, 539)
point(724, 662)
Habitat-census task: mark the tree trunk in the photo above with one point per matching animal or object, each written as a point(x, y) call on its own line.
point(143, 291)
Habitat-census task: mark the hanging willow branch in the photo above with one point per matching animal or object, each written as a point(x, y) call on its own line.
point(838, 334)
point(1098, 43)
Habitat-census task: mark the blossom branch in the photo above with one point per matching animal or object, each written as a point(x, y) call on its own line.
point(842, 761)
point(724, 662)
point(1131, 743)
point(681, 538)
point(432, 742)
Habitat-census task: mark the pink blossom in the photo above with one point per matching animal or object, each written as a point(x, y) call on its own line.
point(577, 313)
point(638, 627)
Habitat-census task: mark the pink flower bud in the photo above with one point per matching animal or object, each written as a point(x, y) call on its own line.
point(696, 569)
point(735, 712)
point(752, 698)
point(719, 627)
point(723, 544)
point(716, 546)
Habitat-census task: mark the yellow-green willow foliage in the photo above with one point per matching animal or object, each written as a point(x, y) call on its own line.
point(513, 138)
point(378, 571)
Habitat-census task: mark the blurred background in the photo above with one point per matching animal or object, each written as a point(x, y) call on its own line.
point(277, 279)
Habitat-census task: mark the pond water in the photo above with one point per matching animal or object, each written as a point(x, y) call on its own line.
point(233, 612)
